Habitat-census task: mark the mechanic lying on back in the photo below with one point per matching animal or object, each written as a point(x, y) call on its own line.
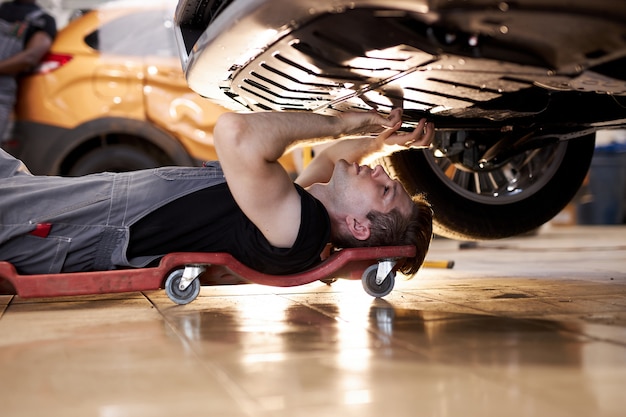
point(246, 205)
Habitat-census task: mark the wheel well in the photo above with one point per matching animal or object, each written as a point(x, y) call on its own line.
point(114, 138)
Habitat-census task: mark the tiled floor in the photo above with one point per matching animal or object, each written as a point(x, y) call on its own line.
point(531, 326)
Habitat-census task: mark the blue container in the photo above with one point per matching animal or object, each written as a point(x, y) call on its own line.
point(607, 187)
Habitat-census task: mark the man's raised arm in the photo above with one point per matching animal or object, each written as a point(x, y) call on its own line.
point(365, 150)
point(249, 145)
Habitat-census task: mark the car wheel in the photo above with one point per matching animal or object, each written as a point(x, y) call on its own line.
point(113, 158)
point(516, 197)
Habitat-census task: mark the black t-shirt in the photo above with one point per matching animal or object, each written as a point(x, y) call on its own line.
point(209, 220)
point(16, 12)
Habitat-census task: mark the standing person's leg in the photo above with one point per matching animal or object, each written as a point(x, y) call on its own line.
point(6, 108)
point(8, 91)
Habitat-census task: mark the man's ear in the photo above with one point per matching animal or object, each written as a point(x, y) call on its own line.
point(360, 228)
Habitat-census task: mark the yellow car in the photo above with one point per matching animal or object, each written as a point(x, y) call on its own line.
point(111, 96)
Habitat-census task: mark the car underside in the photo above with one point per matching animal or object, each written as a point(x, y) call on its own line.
point(516, 90)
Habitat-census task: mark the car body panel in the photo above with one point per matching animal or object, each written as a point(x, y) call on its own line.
point(170, 104)
point(347, 52)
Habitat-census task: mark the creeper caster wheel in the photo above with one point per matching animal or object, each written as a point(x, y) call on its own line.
point(374, 288)
point(176, 289)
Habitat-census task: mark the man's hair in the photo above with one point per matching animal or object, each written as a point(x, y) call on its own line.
point(395, 229)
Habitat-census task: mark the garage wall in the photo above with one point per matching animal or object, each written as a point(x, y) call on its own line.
point(62, 9)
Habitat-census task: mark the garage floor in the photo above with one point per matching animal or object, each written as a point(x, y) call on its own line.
point(530, 326)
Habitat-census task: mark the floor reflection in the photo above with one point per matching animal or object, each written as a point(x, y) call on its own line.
point(284, 352)
point(275, 324)
point(479, 339)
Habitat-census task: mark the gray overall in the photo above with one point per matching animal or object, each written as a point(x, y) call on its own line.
point(88, 217)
